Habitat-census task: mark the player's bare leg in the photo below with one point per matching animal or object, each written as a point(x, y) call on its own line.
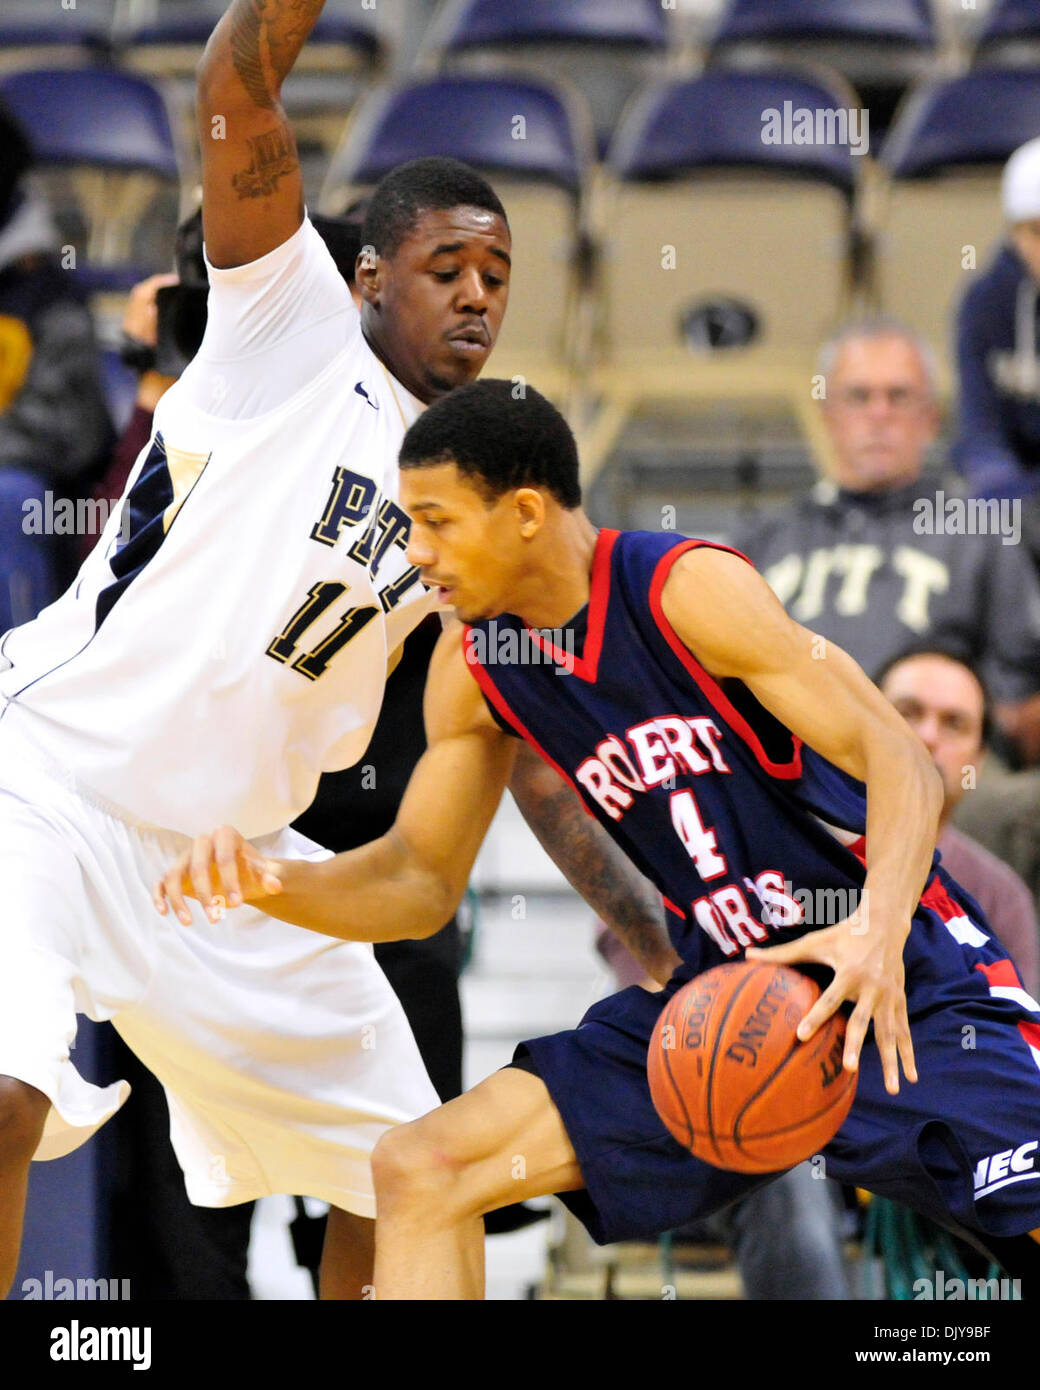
point(347, 1256)
point(23, 1111)
point(502, 1142)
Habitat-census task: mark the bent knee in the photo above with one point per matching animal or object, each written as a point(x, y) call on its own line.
point(23, 1112)
point(411, 1159)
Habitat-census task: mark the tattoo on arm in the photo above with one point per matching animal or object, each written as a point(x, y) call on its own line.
point(266, 37)
point(247, 45)
point(596, 868)
point(274, 154)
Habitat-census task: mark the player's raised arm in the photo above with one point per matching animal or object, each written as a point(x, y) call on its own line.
point(732, 622)
point(252, 192)
point(405, 884)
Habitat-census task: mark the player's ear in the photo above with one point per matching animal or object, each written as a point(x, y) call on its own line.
point(529, 508)
point(369, 275)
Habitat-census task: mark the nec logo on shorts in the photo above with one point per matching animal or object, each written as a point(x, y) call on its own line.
point(1011, 1165)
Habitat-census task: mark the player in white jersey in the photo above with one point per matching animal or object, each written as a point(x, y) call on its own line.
point(225, 644)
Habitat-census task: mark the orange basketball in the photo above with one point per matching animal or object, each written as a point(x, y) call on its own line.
point(730, 1079)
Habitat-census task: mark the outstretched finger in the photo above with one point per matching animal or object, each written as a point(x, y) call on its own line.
point(199, 871)
point(856, 1031)
point(904, 1042)
point(173, 884)
point(826, 1006)
point(226, 846)
point(805, 948)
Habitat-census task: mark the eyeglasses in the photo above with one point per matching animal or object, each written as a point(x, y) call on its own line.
point(899, 398)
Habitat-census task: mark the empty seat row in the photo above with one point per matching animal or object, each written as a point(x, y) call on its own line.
point(722, 256)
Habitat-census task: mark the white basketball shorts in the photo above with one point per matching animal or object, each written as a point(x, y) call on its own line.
point(284, 1054)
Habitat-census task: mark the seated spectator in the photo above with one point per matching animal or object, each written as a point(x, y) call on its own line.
point(998, 439)
point(54, 424)
point(873, 557)
point(945, 703)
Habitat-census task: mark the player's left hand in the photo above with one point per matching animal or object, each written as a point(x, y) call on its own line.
point(868, 970)
point(220, 870)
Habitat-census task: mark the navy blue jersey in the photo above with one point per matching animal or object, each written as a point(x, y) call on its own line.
point(752, 836)
point(743, 828)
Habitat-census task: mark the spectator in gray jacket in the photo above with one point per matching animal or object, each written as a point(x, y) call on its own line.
point(876, 555)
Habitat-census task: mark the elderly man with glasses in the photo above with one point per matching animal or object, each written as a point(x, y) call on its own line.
point(879, 554)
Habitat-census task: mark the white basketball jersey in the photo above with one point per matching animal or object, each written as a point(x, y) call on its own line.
point(227, 640)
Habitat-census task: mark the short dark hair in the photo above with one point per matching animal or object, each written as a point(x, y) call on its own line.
point(422, 185)
point(501, 434)
point(949, 652)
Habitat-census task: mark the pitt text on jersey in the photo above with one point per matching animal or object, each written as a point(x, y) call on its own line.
point(652, 754)
point(352, 499)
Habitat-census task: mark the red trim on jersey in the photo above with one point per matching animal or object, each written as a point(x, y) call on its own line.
point(859, 849)
point(491, 690)
point(708, 685)
point(1001, 975)
point(936, 897)
point(587, 665)
point(1030, 1032)
point(672, 907)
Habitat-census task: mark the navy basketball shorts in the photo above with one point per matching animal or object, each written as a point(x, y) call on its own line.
point(961, 1146)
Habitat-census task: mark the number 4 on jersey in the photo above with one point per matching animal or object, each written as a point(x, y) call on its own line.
point(700, 842)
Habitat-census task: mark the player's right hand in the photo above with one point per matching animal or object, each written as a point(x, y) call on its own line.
point(220, 870)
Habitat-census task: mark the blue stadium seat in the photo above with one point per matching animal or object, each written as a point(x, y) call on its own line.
point(716, 120)
point(978, 118)
point(1010, 34)
point(880, 46)
point(641, 23)
point(886, 21)
point(95, 116)
point(408, 121)
point(942, 213)
point(725, 259)
point(538, 168)
point(31, 34)
point(108, 163)
point(611, 47)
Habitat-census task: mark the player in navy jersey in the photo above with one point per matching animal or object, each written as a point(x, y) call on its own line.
point(751, 771)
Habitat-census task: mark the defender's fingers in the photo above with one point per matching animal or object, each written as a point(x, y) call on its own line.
point(174, 885)
point(199, 870)
point(228, 847)
point(269, 876)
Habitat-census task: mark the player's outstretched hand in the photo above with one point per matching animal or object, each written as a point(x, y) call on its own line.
point(868, 970)
point(219, 870)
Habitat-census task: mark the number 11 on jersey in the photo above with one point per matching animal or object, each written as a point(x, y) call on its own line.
point(314, 663)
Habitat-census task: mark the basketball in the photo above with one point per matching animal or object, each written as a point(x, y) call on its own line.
point(730, 1079)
